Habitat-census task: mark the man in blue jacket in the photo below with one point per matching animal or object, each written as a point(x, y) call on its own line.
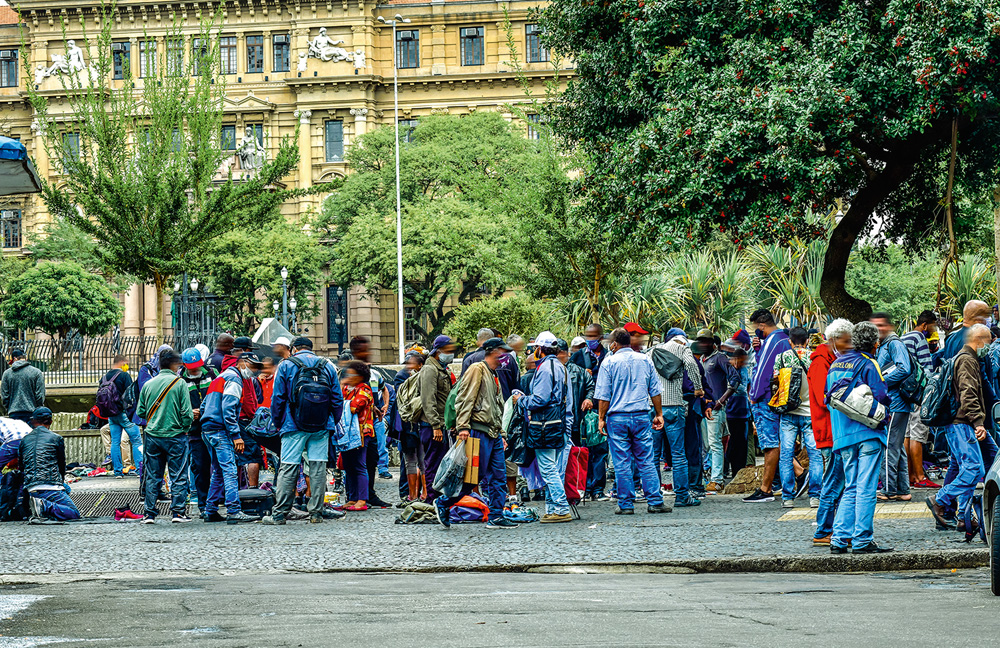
point(894, 361)
point(295, 442)
point(220, 430)
point(859, 446)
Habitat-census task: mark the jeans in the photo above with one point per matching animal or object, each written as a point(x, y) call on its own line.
point(630, 440)
point(116, 425)
point(766, 420)
point(552, 466)
point(313, 444)
point(895, 475)
point(856, 514)
point(170, 453)
point(201, 468)
point(736, 451)
point(714, 431)
point(597, 468)
point(383, 449)
point(692, 450)
point(492, 473)
point(56, 505)
point(434, 452)
point(223, 484)
point(356, 472)
point(791, 426)
point(833, 488)
point(965, 452)
point(673, 426)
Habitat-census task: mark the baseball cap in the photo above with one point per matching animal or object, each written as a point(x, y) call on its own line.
point(562, 345)
point(705, 334)
point(251, 356)
point(41, 413)
point(243, 343)
point(742, 338)
point(578, 341)
point(441, 341)
point(495, 343)
point(546, 339)
point(302, 341)
point(192, 358)
point(284, 341)
point(634, 329)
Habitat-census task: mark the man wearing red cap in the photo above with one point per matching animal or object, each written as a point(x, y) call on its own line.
point(638, 337)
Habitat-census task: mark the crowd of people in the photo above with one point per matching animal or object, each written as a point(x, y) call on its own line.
point(836, 417)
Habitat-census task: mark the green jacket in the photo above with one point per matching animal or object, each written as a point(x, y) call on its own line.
point(478, 404)
point(173, 416)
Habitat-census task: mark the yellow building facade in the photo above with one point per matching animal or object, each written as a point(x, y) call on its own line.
point(323, 66)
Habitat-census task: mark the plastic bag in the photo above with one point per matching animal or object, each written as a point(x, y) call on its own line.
point(590, 433)
point(448, 480)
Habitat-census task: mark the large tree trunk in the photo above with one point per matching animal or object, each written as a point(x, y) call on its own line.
point(996, 239)
point(159, 282)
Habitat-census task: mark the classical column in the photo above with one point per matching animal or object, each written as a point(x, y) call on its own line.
point(305, 149)
point(149, 309)
point(41, 155)
point(268, 53)
point(360, 121)
point(130, 325)
point(438, 54)
point(133, 56)
point(241, 53)
point(495, 38)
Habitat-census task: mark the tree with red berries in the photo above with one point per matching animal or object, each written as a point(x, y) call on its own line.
point(749, 116)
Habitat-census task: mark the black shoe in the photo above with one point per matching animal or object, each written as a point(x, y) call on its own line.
point(333, 514)
point(658, 508)
point(213, 517)
point(621, 511)
point(316, 519)
point(871, 548)
point(690, 501)
point(801, 483)
point(241, 517)
point(525, 494)
point(443, 513)
point(941, 521)
point(759, 496)
point(377, 503)
point(834, 549)
point(539, 496)
point(501, 523)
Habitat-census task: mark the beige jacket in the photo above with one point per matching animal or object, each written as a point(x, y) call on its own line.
point(478, 404)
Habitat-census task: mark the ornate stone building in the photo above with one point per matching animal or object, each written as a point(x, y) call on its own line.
point(324, 65)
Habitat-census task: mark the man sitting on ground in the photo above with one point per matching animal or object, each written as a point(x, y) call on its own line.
point(42, 455)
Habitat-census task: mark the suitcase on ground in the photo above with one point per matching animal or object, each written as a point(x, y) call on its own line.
point(256, 501)
point(576, 474)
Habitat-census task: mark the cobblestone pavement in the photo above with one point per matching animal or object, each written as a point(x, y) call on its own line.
point(722, 527)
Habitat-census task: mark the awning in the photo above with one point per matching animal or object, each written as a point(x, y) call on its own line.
point(17, 173)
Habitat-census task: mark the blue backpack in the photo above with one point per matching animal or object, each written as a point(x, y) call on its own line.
point(262, 426)
point(312, 396)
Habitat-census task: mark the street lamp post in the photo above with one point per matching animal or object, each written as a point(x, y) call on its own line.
point(284, 297)
point(292, 304)
point(399, 212)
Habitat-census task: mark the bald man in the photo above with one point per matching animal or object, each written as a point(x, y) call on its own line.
point(223, 348)
point(967, 430)
point(975, 312)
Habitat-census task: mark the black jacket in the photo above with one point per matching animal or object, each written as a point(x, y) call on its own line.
point(43, 458)
point(582, 384)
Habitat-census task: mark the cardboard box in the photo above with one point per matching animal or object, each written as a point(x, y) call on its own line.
point(472, 464)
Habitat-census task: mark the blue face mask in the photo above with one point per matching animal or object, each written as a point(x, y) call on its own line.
point(593, 344)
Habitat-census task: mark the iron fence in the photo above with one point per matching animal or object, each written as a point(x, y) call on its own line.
point(84, 360)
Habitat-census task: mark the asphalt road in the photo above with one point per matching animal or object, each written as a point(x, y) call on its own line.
point(524, 610)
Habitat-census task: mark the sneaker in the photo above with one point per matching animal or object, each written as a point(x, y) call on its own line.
point(759, 496)
point(148, 519)
point(443, 513)
point(332, 514)
point(871, 548)
point(119, 476)
point(813, 502)
point(787, 503)
point(525, 494)
point(213, 517)
point(107, 460)
point(501, 523)
point(273, 520)
point(639, 499)
point(602, 497)
point(180, 519)
point(714, 488)
point(658, 508)
point(690, 501)
point(835, 549)
point(621, 511)
point(822, 542)
point(241, 517)
point(296, 514)
point(925, 483)
point(556, 517)
point(385, 474)
point(316, 519)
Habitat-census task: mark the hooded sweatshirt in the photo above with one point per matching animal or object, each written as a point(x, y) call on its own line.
point(819, 367)
point(848, 432)
point(22, 388)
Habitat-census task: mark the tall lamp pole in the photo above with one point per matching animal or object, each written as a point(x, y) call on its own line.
point(284, 297)
point(399, 212)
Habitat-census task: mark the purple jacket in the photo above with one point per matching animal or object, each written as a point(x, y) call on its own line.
point(760, 384)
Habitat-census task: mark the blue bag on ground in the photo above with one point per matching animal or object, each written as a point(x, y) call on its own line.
point(448, 480)
point(262, 426)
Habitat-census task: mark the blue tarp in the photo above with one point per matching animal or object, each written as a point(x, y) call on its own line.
point(17, 173)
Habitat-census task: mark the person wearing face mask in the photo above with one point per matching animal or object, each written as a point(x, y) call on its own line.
point(838, 342)
point(435, 385)
point(165, 405)
point(295, 442)
point(967, 431)
point(896, 365)
point(917, 433)
point(593, 354)
point(220, 430)
point(638, 337)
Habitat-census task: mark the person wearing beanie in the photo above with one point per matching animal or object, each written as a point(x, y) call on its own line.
point(435, 384)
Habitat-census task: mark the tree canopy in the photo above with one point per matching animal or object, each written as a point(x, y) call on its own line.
point(747, 116)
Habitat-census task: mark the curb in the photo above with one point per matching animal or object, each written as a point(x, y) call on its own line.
point(896, 561)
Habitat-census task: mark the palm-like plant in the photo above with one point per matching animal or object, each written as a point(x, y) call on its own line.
point(713, 287)
point(971, 278)
point(789, 277)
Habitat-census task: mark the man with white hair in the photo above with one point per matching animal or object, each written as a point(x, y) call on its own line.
point(966, 430)
point(477, 355)
point(838, 342)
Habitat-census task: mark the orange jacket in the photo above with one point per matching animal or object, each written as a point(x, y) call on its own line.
point(821, 360)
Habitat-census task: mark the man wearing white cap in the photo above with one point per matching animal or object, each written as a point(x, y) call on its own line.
point(550, 410)
point(282, 347)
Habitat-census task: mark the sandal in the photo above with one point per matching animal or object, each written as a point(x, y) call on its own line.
point(356, 507)
point(901, 498)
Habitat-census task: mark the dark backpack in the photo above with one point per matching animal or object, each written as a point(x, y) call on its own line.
point(109, 401)
point(667, 364)
point(312, 396)
point(938, 407)
point(911, 390)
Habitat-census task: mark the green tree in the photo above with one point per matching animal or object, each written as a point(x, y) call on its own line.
point(244, 268)
point(511, 314)
point(893, 281)
point(141, 165)
point(64, 241)
point(59, 298)
point(747, 114)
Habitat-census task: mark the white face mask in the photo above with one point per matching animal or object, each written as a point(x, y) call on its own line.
point(446, 358)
